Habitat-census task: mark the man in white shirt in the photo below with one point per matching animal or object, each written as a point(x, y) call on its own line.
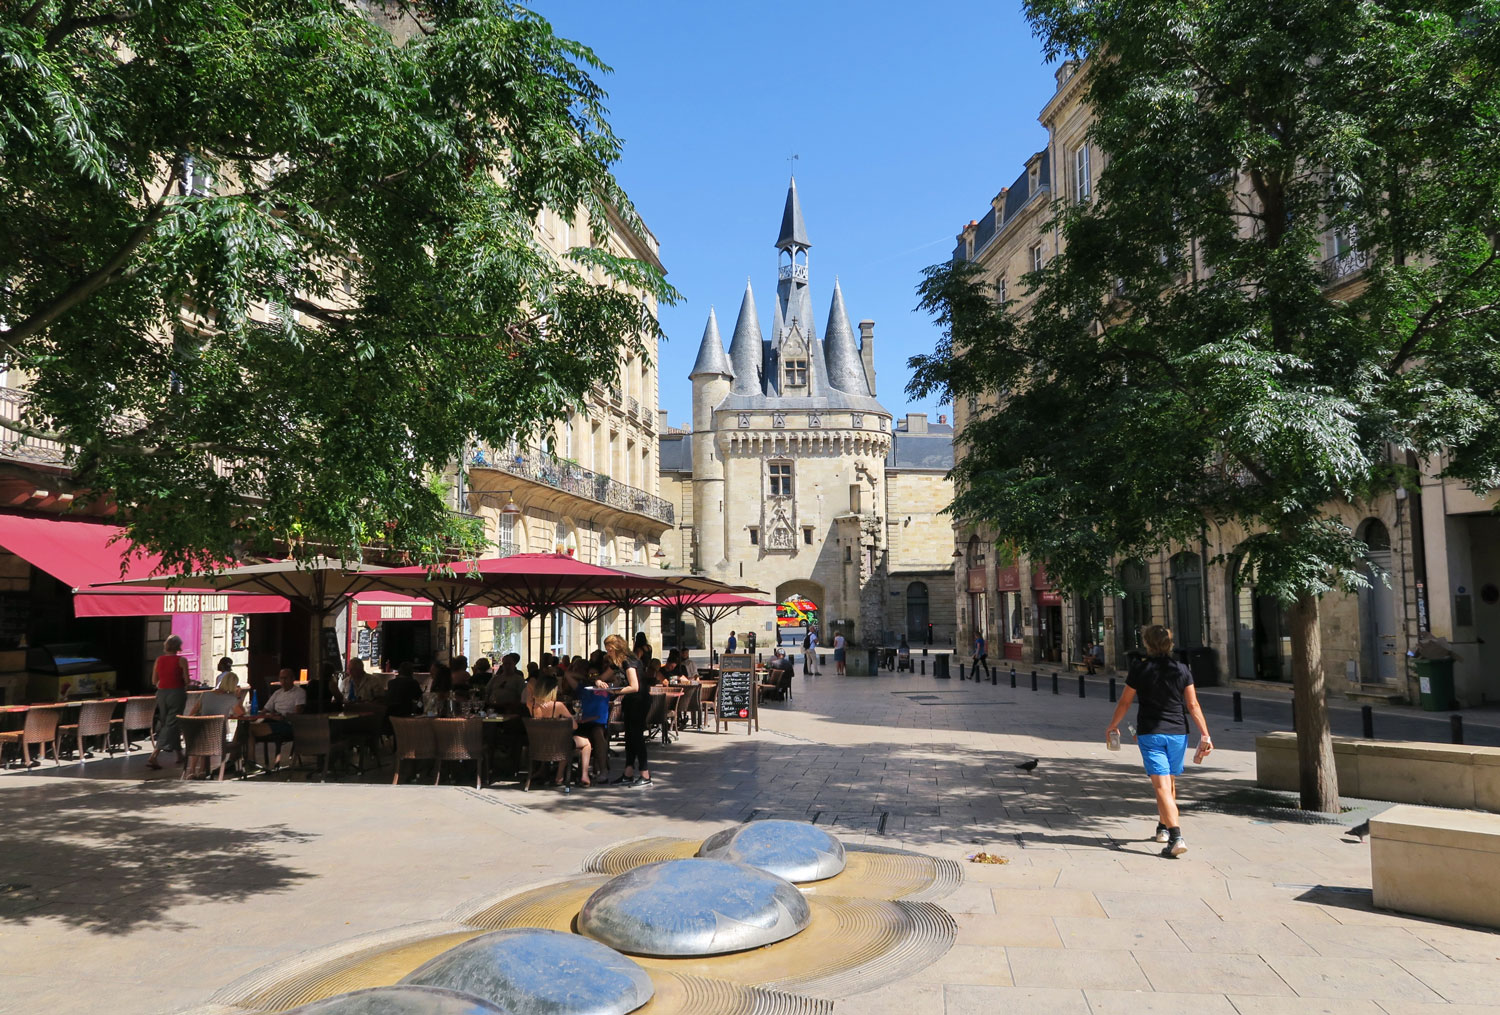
point(289, 699)
point(810, 656)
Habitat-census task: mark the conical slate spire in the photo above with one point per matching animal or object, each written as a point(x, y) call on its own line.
point(846, 371)
point(793, 229)
point(778, 323)
point(711, 359)
point(745, 349)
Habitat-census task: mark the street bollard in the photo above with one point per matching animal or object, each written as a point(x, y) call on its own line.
point(1367, 722)
point(1112, 696)
point(1080, 685)
point(1033, 680)
point(924, 651)
point(995, 676)
point(1456, 725)
point(1054, 683)
point(961, 672)
point(1012, 676)
point(924, 667)
point(1239, 708)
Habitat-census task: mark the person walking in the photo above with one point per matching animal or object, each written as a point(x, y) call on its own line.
point(981, 655)
point(731, 645)
point(1167, 697)
point(810, 662)
point(840, 647)
point(171, 676)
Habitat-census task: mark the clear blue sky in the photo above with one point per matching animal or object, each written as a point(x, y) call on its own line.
point(907, 119)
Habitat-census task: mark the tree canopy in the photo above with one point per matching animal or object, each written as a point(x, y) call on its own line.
point(1181, 362)
point(269, 266)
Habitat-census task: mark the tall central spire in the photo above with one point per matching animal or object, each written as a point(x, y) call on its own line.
point(792, 297)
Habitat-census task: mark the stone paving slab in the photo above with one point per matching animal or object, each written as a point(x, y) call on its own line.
point(161, 892)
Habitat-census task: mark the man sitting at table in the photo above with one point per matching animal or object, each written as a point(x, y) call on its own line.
point(272, 723)
point(403, 693)
point(503, 693)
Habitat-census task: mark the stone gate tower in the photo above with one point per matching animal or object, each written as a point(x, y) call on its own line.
point(789, 453)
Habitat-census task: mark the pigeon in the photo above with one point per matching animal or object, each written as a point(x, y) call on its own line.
point(1027, 766)
point(1360, 830)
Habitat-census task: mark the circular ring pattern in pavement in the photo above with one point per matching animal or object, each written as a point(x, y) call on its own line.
point(400, 1001)
point(693, 907)
point(794, 850)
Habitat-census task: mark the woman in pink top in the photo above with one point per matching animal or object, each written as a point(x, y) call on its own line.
point(171, 678)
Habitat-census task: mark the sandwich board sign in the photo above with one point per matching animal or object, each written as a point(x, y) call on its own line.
point(738, 695)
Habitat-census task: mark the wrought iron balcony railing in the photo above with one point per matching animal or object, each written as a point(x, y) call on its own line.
point(540, 467)
point(20, 446)
point(1342, 266)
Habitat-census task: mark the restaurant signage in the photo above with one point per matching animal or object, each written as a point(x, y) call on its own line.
point(194, 602)
point(737, 692)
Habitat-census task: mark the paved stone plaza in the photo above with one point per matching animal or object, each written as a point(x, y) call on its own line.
point(150, 895)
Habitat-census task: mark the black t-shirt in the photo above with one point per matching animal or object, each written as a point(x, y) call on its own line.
point(1160, 684)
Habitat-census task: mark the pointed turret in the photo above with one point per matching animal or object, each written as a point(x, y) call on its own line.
point(846, 371)
point(745, 348)
point(711, 359)
point(778, 323)
point(793, 229)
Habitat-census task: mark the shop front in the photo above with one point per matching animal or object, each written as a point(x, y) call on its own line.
point(1012, 630)
point(1049, 618)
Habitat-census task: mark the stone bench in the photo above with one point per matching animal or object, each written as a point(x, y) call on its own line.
point(1443, 775)
point(1437, 863)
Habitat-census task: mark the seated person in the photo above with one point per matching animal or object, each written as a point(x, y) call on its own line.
point(480, 674)
point(546, 706)
point(403, 695)
point(593, 716)
point(458, 672)
point(323, 696)
point(903, 655)
point(355, 679)
point(272, 724)
point(503, 693)
point(223, 700)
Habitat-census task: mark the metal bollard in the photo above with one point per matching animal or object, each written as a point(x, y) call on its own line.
point(1012, 676)
point(1367, 722)
point(1456, 726)
point(1033, 680)
point(1080, 685)
point(924, 651)
point(1239, 709)
point(1112, 696)
point(1054, 683)
point(961, 672)
point(924, 667)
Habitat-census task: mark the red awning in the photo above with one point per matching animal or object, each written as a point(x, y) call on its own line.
point(486, 612)
point(81, 553)
point(372, 607)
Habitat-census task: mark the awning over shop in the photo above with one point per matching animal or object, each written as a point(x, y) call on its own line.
point(81, 553)
point(374, 606)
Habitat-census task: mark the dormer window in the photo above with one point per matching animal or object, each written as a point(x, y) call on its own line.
point(796, 373)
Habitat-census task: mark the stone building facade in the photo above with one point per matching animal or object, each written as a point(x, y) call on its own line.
point(1227, 633)
point(796, 480)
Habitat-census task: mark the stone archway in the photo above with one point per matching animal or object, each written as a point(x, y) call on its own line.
point(793, 616)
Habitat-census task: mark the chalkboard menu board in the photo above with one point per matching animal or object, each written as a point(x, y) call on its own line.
point(737, 696)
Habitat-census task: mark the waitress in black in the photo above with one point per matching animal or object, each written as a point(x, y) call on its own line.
point(635, 703)
point(1167, 697)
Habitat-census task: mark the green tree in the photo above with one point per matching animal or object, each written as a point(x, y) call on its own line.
point(1180, 362)
point(269, 266)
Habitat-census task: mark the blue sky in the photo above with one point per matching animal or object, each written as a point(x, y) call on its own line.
point(907, 120)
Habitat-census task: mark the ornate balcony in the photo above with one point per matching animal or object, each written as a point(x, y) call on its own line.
point(540, 467)
point(18, 446)
point(1351, 262)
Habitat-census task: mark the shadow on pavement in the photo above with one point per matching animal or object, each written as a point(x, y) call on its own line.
point(109, 860)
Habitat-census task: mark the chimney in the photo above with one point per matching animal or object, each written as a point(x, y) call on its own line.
point(867, 352)
point(916, 422)
point(662, 426)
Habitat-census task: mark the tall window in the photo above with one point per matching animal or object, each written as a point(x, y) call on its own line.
point(1036, 257)
point(781, 479)
point(1081, 173)
point(796, 373)
point(1002, 290)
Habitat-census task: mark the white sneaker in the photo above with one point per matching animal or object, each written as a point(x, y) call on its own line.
point(1161, 833)
point(1175, 847)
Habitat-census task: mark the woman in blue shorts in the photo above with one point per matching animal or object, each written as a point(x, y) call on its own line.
point(1167, 697)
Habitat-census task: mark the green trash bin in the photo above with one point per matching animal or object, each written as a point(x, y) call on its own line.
point(1435, 679)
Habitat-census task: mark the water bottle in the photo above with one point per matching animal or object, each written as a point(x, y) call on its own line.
point(1114, 740)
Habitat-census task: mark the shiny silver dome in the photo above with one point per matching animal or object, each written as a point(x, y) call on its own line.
point(794, 850)
point(693, 907)
point(400, 1001)
point(527, 971)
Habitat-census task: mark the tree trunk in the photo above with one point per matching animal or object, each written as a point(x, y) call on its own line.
point(1318, 779)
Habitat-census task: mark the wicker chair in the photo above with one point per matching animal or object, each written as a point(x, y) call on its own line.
point(313, 735)
point(692, 704)
point(95, 719)
point(460, 740)
point(203, 736)
point(656, 717)
point(415, 741)
point(550, 741)
point(140, 713)
point(39, 729)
